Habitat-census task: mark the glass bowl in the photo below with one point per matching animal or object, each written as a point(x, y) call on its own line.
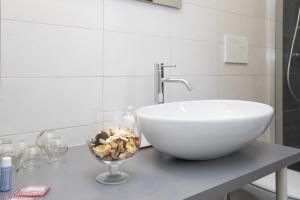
point(115, 145)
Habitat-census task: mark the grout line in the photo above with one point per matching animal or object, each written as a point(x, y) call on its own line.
point(217, 41)
point(136, 33)
point(219, 10)
point(203, 6)
point(50, 24)
point(125, 32)
point(40, 130)
point(0, 41)
point(132, 76)
point(227, 11)
point(139, 34)
point(47, 77)
point(62, 77)
point(103, 64)
point(218, 54)
point(169, 92)
point(253, 88)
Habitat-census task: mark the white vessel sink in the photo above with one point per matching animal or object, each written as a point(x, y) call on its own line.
point(206, 129)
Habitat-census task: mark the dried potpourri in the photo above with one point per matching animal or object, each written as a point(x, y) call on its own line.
point(115, 144)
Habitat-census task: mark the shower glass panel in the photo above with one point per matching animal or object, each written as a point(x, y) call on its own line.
point(288, 77)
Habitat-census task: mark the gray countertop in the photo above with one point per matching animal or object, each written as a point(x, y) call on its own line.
point(156, 176)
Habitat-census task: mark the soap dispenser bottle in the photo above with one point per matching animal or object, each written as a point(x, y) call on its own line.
point(6, 174)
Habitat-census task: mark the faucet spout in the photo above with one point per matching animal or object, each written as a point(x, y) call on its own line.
point(175, 80)
point(160, 80)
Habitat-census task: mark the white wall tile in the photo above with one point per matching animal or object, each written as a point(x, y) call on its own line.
point(136, 17)
point(266, 136)
point(262, 9)
point(28, 104)
point(72, 136)
point(278, 61)
point(274, 33)
point(262, 33)
point(204, 87)
point(120, 92)
point(244, 7)
point(264, 89)
point(273, 14)
point(41, 50)
point(272, 60)
point(278, 4)
point(273, 130)
point(236, 87)
point(29, 138)
point(75, 135)
point(194, 57)
point(277, 35)
point(208, 3)
point(235, 68)
point(131, 54)
point(234, 24)
point(269, 134)
point(81, 13)
point(182, 25)
point(262, 61)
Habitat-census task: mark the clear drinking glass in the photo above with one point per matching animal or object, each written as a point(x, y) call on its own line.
point(56, 150)
point(114, 145)
point(14, 150)
point(43, 139)
point(19, 149)
point(31, 157)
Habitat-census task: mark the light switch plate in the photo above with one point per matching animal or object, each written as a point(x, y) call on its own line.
point(236, 49)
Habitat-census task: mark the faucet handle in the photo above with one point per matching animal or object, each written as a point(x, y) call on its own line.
point(163, 65)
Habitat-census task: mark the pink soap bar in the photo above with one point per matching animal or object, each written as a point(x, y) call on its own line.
point(32, 191)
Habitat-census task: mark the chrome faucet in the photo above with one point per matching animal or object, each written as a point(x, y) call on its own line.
point(160, 80)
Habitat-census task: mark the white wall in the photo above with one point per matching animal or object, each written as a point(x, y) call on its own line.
point(61, 58)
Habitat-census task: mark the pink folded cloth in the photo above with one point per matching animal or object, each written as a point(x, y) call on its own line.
point(32, 191)
point(22, 198)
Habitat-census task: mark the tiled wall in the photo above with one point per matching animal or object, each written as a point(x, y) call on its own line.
point(59, 59)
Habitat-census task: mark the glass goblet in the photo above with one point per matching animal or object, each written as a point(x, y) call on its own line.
point(115, 145)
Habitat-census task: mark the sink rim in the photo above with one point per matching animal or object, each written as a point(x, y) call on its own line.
point(267, 110)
